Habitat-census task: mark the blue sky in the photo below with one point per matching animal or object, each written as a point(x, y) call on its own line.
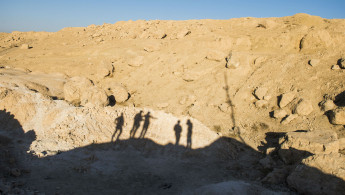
point(53, 15)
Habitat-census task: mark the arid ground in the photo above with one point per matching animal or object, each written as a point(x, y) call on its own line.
point(239, 106)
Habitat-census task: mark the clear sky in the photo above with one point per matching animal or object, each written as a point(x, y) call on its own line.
point(53, 15)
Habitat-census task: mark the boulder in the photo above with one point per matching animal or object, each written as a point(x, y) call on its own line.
point(286, 98)
point(303, 108)
point(277, 176)
point(37, 88)
point(104, 70)
point(297, 145)
point(279, 114)
point(327, 105)
point(119, 92)
point(337, 116)
point(74, 88)
point(261, 104)
point(319, 174)
point(289, 118)
point(94, 97)
point(260, 92)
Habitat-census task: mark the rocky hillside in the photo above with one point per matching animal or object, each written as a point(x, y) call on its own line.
point(260, 102)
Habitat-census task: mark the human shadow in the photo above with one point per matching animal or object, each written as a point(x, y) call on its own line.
point(14, 142)
point(142, 166)
point(178, 130)
point(189, 133)
point(119, 122)
point(147, 118)
point(136, 124)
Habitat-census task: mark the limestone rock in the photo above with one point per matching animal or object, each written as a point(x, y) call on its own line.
point(74, 88)
point(15, 172)
point(224, 107)
point(136, 61)
point(162, 105)
point(289, 118)
point(337, 116)
point(286, 98)
point(25, 46)
point(105, 70)
point(235, 59)
point(314, 62)
point(319, 174)
point(37, 88)
point(277, 176)
point(119, 92)
point(94, 97)
point(260, 92)
point(215, 56)
point(261, 104)
point(280, 113)
point(335, 67)
point(303, 108)
point(267, 162)
point(152, 48)
point(295, 145)
point(327, 105)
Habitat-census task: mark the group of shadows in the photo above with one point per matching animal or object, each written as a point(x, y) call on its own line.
point(138, 118)
point(225, 155)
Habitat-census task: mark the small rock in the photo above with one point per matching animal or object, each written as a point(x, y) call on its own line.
point(267, 97)
point(215, 56)
point(25, 46)
point(286, 98)
point(327, 105)
point(289, 118)
point(314, 62)
point(162, 105)
point(152, 48)
point(224, 107)
point(337, 116)
point(303, 108)
point(260, 92)
point(270, 150)
point(15, 172)
point(267, 162)
point(341, 63)
point(261, 104)
point(280, 113)
point(277, 176)
point(335, 67)
point(137, 61)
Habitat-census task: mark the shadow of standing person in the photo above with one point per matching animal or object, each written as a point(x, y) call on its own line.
point(136, 124)
point(146, 124)
point(178, 130)
point(119, 121)
point(189, 134)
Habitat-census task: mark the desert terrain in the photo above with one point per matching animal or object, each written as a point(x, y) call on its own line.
point(238, 106)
